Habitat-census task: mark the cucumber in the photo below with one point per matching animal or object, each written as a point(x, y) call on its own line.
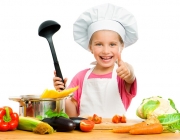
point(60, 124)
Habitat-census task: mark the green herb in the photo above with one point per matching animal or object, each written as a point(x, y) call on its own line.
point(39, 117)
point(51, 114)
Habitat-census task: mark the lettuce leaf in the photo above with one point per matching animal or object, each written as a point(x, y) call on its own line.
point(170, 122)
point(169, 118)
point(175, 127)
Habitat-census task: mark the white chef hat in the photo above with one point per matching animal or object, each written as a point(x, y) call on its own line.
point(105, 17)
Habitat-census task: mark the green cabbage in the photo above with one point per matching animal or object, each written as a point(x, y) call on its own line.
point(155, 106)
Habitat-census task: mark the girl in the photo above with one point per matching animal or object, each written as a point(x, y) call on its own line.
point(108, 88)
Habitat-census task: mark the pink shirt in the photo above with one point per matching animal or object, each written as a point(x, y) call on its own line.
point(125, 96)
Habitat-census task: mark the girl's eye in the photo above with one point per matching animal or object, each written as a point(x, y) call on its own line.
point(98, 44)
point(112, 44)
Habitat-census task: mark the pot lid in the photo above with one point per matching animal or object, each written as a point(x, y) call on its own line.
point(32, 98)
point(27, 97)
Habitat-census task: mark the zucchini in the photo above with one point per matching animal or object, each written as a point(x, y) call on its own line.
point(60, 124)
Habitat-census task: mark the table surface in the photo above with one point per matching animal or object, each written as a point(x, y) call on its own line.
point(101, 131)
point(78, 135)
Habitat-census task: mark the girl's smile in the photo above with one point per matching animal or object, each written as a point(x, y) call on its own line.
point(106, 58)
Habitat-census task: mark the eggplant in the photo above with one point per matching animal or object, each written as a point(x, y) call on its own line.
point(77, 121)
point(60, 124)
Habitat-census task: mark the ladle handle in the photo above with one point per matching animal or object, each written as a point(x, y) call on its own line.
point(56, 63)
point(58, 71)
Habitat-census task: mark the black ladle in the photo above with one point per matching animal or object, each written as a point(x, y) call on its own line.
point(46, 30)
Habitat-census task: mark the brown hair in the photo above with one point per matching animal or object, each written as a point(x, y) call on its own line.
point(120, 39)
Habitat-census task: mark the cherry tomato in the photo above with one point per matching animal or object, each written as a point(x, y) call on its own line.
point(123, 119)
point(86, 125)
point(89, 118)
point(116, 119)
point(96, 119)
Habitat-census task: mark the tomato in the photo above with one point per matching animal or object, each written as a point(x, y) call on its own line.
point(89, 118)
point(119, 119)
point(96, 119)
point(116, 119)
point(123, 119)
point(86, 125)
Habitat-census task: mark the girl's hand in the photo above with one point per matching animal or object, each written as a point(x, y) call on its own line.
point(125, 71)
point(58, 84)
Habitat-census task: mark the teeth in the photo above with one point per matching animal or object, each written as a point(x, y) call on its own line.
point(106, 58)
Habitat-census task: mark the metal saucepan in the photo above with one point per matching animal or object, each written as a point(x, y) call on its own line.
point(34, 106)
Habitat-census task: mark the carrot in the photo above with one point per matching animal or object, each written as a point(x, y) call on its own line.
point(126, 129)
point(155, 128)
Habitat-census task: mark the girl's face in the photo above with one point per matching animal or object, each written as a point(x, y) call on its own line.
point(105, 45)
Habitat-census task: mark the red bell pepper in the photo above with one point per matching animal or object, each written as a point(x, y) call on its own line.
point(8, 119)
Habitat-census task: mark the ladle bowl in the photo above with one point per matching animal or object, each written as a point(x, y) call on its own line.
point(47, 30)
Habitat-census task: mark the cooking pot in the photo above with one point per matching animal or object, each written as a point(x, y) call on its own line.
point(34, 106)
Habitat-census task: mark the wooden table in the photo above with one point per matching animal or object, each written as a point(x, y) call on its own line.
point(100, 132)
point(78, 135)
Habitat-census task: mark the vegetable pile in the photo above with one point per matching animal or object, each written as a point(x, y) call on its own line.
point(55, 121)
point(60, 121)
point(149, 126)
point(164, 110)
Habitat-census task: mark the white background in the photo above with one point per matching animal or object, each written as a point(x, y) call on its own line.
point(26, 64)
